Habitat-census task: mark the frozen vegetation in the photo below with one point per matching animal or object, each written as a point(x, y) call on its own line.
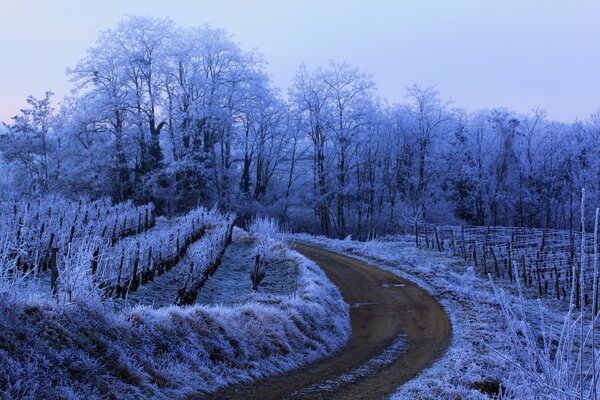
point(503, 342)
point(122, 276)
point(231, 284)
point(197, 121)
point(75, 342)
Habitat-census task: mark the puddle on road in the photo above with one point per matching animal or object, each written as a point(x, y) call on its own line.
point(388, 285)
point(354, 305)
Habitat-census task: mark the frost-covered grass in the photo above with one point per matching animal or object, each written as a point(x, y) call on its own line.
point(479, 350)
point(230, 285)
point(85, 350)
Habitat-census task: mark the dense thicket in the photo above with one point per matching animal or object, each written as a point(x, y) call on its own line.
point(182, 117)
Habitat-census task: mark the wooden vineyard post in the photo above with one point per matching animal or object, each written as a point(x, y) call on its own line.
point(437, 239)
point(118, 289)
point(524, 269)
point(257, 273)
point(509, 263)
point(539, 278)
point(538, 262)
point(556, 282)
point(114, 233)
point(54, 272)
point(229, 235)
point(485, 255)
point(151, 268)
point(72, 235)
point(475, 256)
point(50, 247)
point(464, 245)
point(135, 280)
point(495, 262)
point(95, 260)
point(452, 242)
point(417, 234)
point(426, 238)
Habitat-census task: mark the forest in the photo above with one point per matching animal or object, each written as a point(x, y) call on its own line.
point(183, 117)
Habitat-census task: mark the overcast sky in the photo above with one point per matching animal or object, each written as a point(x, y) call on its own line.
point(479, 53)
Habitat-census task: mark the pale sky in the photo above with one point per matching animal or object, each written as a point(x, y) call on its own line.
point(479, 53)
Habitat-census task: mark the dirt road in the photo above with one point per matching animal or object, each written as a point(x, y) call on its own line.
point(387, 312)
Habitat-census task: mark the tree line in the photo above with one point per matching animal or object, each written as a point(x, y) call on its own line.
point(184, 116)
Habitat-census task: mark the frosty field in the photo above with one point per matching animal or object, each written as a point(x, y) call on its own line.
point(397, 200)
point(92, 349)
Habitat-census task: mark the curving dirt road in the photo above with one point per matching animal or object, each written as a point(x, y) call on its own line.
point(386, 312)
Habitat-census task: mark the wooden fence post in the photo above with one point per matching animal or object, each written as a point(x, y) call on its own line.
point(54, 272)
point(464, 245)
point(417, 234)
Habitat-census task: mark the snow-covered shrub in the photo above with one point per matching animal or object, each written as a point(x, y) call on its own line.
point(39, 225)
point(11, 276)
point(556, 362)
point(203, 258)
point(267, 234)
point(135, 260)
point(75, 281)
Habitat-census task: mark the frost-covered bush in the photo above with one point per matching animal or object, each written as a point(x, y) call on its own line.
point(135, 260)
point(36, 226)
point(11, 277)
point(75, 281)
point(556, 362)
point(202, 259)
point(267, 235)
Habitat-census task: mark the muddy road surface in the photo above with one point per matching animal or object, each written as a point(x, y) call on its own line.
point(398, 329)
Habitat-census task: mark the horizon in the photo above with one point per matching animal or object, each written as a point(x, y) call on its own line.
point(548, 65)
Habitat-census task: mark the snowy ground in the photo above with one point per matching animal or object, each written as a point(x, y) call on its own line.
point(86, 351)
point(478, 347)
point(230, 285)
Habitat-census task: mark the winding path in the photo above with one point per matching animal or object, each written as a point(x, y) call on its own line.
point(385, 310)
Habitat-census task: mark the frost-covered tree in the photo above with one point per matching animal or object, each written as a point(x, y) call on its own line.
point(351, 97)
point(29, 143)
point(430, 126)
point(185, 116)
point(310, 97)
